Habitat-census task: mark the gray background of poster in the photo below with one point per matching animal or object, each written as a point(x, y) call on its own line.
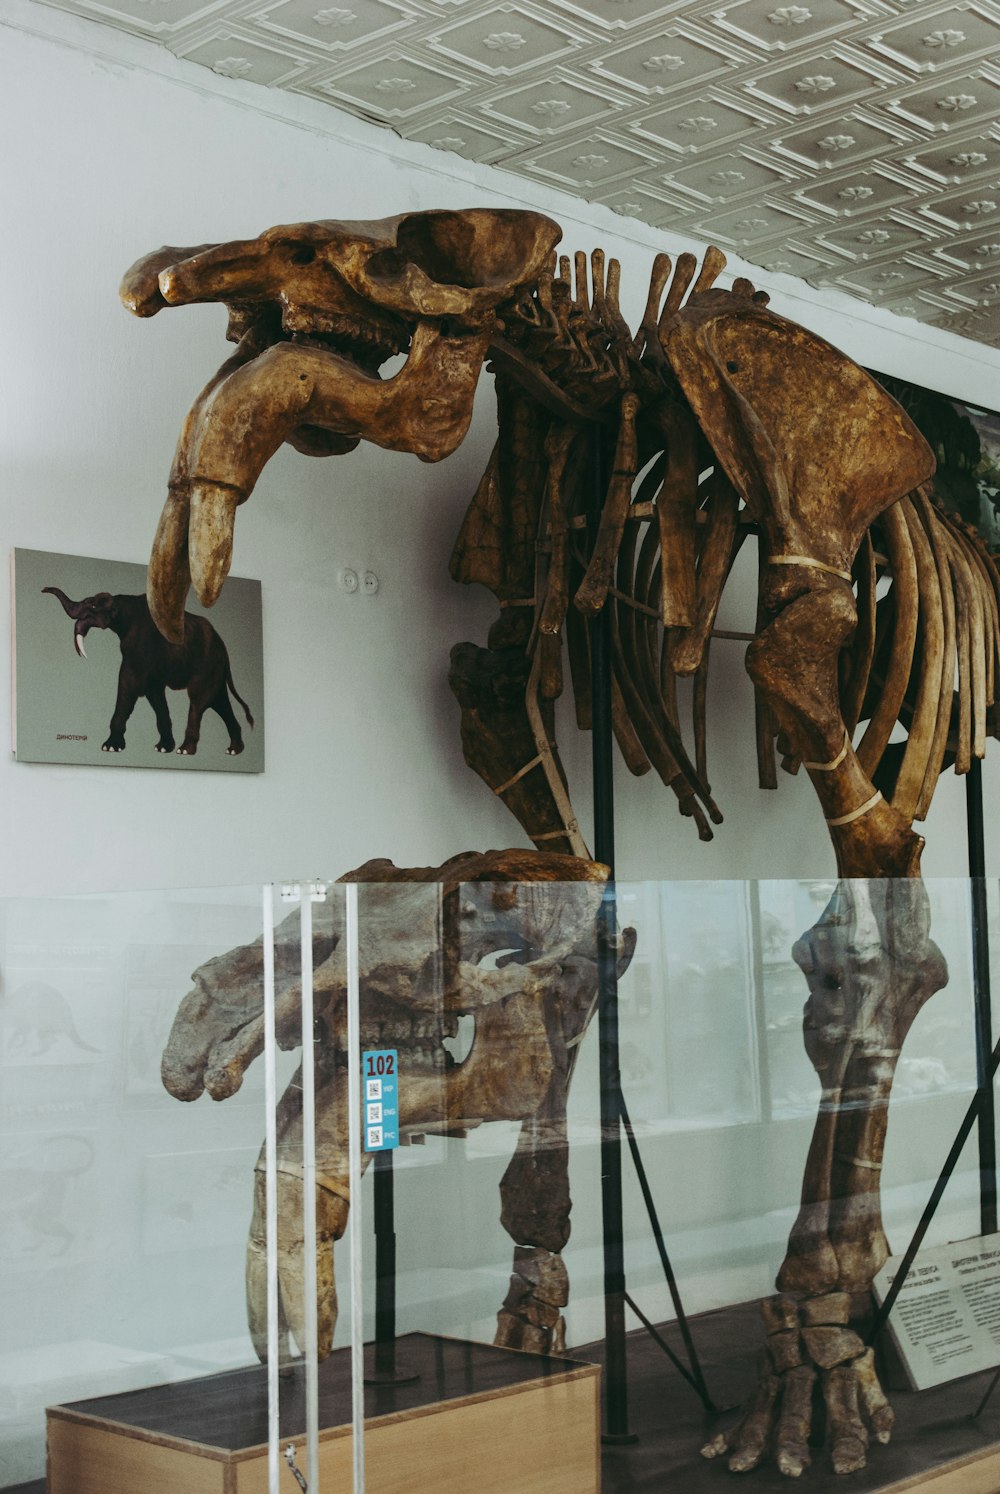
point(58, 692)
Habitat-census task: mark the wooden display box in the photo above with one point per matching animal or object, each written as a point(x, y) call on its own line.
point(478, 1418)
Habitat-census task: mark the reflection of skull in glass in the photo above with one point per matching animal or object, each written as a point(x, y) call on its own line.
point(482, 980)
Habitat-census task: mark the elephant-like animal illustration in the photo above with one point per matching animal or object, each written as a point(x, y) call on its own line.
point(506, 942)
point(630, 468)
point(151, 665)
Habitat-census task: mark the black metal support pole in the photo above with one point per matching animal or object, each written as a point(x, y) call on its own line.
point(385, 1266)
point(983, 1005)
point(384, 1369)
point(696, 1378)
point(616, 1427)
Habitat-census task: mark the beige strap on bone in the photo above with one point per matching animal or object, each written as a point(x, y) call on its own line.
point(855, 814)
point(835, 763)
point(807, 560)
point(518, 776)
point(858, 1162)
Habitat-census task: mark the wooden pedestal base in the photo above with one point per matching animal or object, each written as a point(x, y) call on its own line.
point(478, 1418)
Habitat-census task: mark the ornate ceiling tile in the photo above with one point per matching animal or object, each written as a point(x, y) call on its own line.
point(827, 80)
point(634, 201)
point(620, 15)
point(951, 105)
point(781, 28)
point(887, 282)
point(801, 260)
point(975, 324)
point(981, 290)
point(453, 131)
point(232, 55)
point(699, 126)
point(395, 86)
point(504, 41)
point(157, 19)
point(970, 158)
point(835, 140)
point(665, 61)
point(881, 239)
point(332, 28)
point(725, 177)
point(967, 211)
point(583, 163)
point(553, 105)
point(859, 194)
point(935, 40)
point(839, 143)
point(747, 228)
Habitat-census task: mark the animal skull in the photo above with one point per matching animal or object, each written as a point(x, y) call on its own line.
point(471, 939)
point(316, 309)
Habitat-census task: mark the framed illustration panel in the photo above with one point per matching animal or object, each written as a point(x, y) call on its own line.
point(95, 682)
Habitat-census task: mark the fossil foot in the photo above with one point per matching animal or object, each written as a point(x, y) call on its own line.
point(810, 1351)
point(531, 1317)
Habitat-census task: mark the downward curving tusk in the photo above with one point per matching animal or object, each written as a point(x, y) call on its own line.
point(169, 577)
point(210, 542)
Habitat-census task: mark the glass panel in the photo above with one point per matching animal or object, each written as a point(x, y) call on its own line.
point(124, 1212)
point(720, 1092)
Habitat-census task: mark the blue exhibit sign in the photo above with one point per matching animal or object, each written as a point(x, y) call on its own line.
point(380, 1099)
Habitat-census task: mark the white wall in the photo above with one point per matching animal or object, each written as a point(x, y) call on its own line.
point(113, 147)
point(119, 148)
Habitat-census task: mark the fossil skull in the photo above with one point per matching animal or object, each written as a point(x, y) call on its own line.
point(471, 951)
point(315, 310)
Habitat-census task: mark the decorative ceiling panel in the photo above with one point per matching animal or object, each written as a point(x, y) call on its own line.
point(853, 143)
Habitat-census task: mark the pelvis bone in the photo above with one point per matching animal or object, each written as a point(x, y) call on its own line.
point(316, 309)
point(503, 942)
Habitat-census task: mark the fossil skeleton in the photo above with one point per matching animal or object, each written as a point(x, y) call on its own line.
point(505, 941)
point(715, 420)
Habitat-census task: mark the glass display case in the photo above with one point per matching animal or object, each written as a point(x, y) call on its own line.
point(188, 1301)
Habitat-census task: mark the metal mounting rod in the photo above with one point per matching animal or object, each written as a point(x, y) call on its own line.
point(616, 1428)
point(983, 1005)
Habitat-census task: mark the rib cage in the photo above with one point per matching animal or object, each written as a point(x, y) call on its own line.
point(920, 575)
point(656, 546)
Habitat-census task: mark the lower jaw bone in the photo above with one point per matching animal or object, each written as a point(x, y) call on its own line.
point(240, 422)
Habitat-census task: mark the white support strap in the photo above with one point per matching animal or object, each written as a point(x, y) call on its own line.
point(807, 560)
point(835, 763)
point(855, 814)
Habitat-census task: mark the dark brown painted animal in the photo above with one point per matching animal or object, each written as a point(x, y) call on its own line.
point(151, 666)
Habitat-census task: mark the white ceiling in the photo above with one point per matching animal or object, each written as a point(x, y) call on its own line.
point(853, 143)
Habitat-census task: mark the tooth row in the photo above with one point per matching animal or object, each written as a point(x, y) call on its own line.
point(424, 1030)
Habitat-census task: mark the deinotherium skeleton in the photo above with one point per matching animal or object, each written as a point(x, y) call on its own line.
point(716, 419)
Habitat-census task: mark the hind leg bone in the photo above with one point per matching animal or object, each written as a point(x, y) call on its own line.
point(870, 965)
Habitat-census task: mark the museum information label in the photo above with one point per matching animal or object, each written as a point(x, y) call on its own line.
point(380, 1098)
point(946, 1321)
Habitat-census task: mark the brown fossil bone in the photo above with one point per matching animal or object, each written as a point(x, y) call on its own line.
point(717, 421)
point(429, 941)
point(870, 965)
point(316, 308)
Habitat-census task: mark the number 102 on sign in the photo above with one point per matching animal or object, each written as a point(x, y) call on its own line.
point(380, 1099)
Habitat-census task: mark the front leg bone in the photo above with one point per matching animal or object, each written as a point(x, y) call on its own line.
point(296, 1275)
point(870, 965)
